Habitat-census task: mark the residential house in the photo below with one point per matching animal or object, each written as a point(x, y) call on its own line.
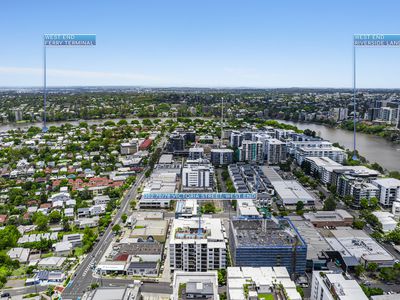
point(20, 254)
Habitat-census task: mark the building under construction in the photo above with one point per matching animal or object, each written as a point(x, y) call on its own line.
point(267, 243)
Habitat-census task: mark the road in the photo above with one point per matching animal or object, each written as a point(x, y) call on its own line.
point(147, 287)
point(228, 210)
point(25, 290)
point(82, 279)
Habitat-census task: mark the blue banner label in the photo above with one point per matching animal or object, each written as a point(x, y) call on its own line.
point(376, 40)
point(199, 196)
point(69, 40)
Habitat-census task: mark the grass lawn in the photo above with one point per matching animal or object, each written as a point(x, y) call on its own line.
point(266, 296)
point(78, 251)
point(49, 254)
point(20, 271)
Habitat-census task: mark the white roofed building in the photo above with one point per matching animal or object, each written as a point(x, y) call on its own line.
point(386, 219)
point(290, 192)
point(327, 285)
point(389, 190)
point(197, 245)
point(260, 281)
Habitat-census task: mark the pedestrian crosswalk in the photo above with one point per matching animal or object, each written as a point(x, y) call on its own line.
point(86, 270)
point(89, 266)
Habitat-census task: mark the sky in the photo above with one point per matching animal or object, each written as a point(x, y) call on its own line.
point(200, 43)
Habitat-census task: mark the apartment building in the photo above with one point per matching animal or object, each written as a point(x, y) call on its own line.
point(197, 245)
point(301, 150)
point(251, 152)
point(328, 285)
point(199, 176)
point(196, 153)
point(389, 190)
point(236, 139)
point(221, 157)
point(275, 151)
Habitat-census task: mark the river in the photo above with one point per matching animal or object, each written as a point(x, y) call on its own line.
point(14, 126)
point(374, 148)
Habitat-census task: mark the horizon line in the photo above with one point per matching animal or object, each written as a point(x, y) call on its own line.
point(194, 87)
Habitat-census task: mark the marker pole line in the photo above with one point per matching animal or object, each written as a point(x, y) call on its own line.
point(354, 104)
point(44, 129)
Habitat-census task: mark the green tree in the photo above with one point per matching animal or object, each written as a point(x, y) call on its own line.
point(321, 196)
point(373, 221)
point(225, 175)
point(208, 208)
point(364, 204)
point(373, 202)
point(359, 270)
point(124, 217)
point(41, 221)
point(371, 291)
point(377, 235)
point(66, 226)
point(222, 296)
point(285, 166)
point(83, 125)
point(388, 274)
point(88, 240)
point(332, 189)
point(329, 204)
point(372, 267)
point(306, 167)
point(116, 228)
point(109, 123)
point(222, 277)
point(15, 196)
point(122, 122)
point(133, 204)
point(377, 167)
point(299, 205)
point(94, 286)
point(358, 224)
point(348, 200)
point(394, 174)
point(394, 236)
point(9, 236)
point(55, 216)
point(135, 122)
point(147, 122)
point(300, 291)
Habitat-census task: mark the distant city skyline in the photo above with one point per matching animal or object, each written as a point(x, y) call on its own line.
point(227, 44)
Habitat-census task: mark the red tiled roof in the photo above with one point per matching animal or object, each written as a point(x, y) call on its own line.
point(145, 144)
point(93, 182)
point(3, 218)
point(122, 257)
point(59, 289)
point(32, 203)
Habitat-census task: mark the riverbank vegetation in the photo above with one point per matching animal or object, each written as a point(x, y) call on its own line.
point(385, 131)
